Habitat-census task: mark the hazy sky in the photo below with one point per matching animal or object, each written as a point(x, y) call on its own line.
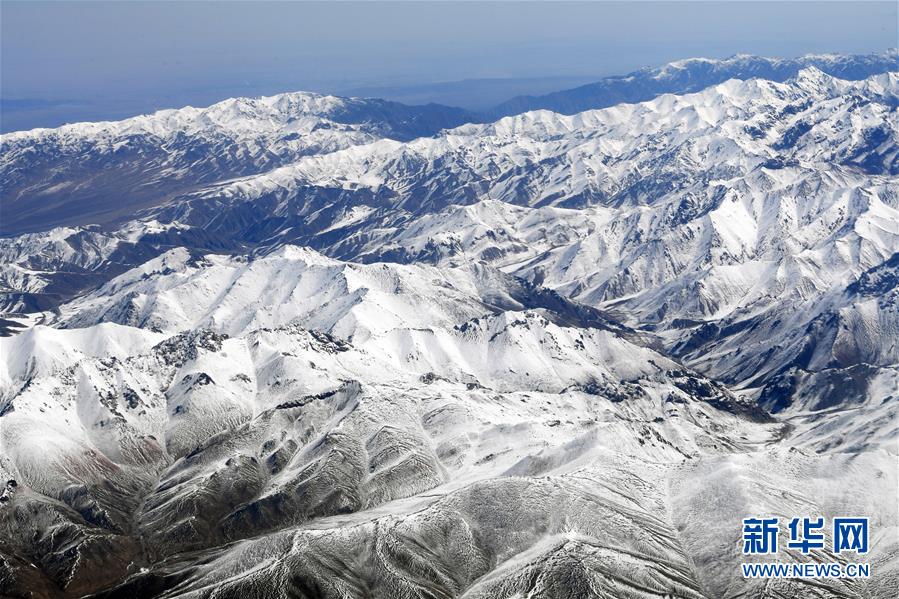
point(92, 59)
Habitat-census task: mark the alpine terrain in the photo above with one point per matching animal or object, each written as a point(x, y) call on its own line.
point(319, 347)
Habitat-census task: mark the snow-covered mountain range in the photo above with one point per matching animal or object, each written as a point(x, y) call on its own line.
point(99, 172)
point(323, 347)
point(89, 173)
point(692, 75)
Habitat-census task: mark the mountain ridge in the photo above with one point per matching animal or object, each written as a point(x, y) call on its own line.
point(155, 162)
point(664, 79)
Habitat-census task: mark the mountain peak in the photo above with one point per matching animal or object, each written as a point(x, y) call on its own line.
point(813, 80)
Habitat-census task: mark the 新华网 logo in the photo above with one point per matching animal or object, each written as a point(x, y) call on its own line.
point(761, 536)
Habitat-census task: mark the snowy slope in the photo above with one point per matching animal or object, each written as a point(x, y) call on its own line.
point(360, 403)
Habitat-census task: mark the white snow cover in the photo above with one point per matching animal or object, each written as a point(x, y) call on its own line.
point(286, 421)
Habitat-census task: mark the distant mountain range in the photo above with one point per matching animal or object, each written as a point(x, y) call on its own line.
point(140, 161)
point(692, 75)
